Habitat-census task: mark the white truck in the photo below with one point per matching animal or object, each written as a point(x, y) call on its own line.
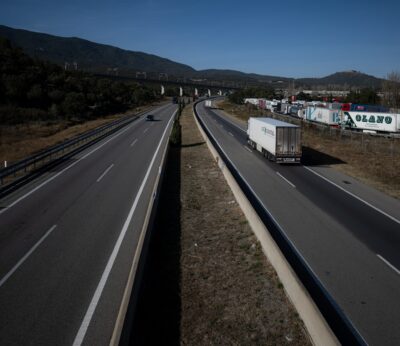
point(323, 115)
point(276, 140)
point(372, 122)
point(209, 104)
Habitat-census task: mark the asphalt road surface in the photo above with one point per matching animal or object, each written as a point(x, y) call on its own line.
point(67, 240)
point(348, 233)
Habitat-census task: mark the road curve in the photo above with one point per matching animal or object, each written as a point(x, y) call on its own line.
point(351, 244)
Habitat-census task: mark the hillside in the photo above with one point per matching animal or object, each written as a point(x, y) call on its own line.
point(105, 59)
point(89, 56)
point(240, 76)
point(37, 91)
point(349, 78)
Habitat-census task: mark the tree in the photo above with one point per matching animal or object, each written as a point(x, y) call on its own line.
point(391, 90)
point(74, 105)
point(363, 96)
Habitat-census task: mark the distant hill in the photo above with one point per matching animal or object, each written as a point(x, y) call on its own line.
point(105, 59)
point(89, 55)
point(349, 78)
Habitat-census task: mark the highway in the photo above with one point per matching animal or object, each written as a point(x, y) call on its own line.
point(68, 239)
point(348, 233)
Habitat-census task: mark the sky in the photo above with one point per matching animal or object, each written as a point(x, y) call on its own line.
point(288, 39)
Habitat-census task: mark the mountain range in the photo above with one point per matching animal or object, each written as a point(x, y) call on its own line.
point(73, 52)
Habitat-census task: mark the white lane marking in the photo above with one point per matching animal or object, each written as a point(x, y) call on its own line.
point(134, 142)
point(231, 134)
point(145, 130)
point(105, 172)
point(273, 218)
point(23, 259)
point(353, 195)
point(229, 121)
point(99, 290)
point(61, 172)
point(388, 264)
point(247, 148)
point(292, 185)
point(103, 144)
point(339, 187)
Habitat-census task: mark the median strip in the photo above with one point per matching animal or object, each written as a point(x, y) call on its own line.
point(230, 293)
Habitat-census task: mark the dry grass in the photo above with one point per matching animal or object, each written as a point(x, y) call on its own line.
point(18, 142)
point(230, 294)
point(372, 160)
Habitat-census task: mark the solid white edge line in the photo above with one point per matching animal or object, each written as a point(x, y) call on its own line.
point(229, 121)
point(23, 259)
point(339, 187)
point(260, 201)
point(61, 172)
point(109, 140)
point(247, 148)
point(390, 265)
point(273, 218)
point(100, 287)
point(292, 185)
point(353, 195)
point(105, 172)
point(134, 142)
point(70, 166)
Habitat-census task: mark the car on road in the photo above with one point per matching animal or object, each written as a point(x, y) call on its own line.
point(150, 117)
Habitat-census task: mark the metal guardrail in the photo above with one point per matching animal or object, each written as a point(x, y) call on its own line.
point(27, 169)
point(336, 319)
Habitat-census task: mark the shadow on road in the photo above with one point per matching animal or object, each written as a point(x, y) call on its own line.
point(312, 157)
point(154, 317)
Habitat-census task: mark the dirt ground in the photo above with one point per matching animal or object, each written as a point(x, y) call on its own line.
point(18, 142)
point(230, 294)
point(374, 161)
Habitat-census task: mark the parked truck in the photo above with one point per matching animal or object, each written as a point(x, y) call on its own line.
point(276, 140)
point(371, 122)
point(323, 115)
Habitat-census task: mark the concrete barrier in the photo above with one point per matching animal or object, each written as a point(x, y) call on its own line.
point(316, 325)
point(119, 323)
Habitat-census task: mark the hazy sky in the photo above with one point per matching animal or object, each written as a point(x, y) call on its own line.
point(288, 38)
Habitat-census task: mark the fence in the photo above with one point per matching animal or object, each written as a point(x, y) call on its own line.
point(19, 173)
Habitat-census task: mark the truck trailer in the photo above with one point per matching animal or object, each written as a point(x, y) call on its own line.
point(276, 140)
point(209, 104)
point(323, 115)
point(369, 121)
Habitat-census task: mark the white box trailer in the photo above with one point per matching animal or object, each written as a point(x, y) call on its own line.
point(276, 140)
point(370, 121)
point(285, 107)
point(323, 115)
point(253, 101)
point(209, 103)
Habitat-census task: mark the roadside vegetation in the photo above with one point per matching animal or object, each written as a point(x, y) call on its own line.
point(33, 90)
point(41, 104)
point(207, 280)
point(375, 160)
point(230, 293)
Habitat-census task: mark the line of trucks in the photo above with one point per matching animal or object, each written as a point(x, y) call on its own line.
point(366, 118)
